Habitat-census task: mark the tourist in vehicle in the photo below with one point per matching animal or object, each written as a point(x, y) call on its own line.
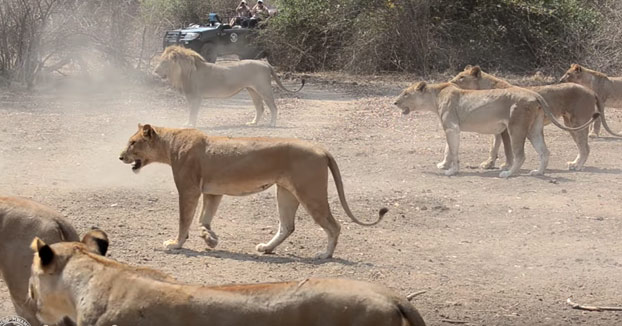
point(243, 13)
point(260, 12)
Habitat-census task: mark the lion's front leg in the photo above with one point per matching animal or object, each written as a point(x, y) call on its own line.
point(210, 205)
point(453, 143)
point(444, 164)
point(195, 104)
point(188, 200)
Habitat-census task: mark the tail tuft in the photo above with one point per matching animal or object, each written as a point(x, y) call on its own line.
point(302, 81)
point(382, 211)
point(595, 115)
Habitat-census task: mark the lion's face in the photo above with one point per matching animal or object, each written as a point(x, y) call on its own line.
point(163, 68)
point(139, 150)
point(46, 288)
point(415, 98)
point(576, 74)
point(470, 78)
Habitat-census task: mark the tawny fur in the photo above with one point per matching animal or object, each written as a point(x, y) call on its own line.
point(216, 166)
point(517, 110)
point(188, 72)
point(572, 102)
point(609, 89)
point(97, 291)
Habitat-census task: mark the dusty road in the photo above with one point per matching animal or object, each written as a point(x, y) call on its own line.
point(488, 251)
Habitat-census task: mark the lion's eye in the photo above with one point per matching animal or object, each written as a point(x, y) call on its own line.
point(132, 143)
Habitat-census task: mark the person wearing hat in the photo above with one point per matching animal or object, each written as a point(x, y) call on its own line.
point(260, 12)
point(243, 13)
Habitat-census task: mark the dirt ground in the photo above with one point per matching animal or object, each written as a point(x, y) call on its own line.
point(488, 251)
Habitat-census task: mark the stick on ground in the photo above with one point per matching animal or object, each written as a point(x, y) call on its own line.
point(591, 308)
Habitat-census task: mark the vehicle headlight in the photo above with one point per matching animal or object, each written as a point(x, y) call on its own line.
point(191, 36)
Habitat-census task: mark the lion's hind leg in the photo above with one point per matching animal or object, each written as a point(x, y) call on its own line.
point(517, 136)
point(581, 139)
point(536, 137)
point(267, 96)
point(258, 102)
point(315, 202)
point(210, 205)
point(288, 205)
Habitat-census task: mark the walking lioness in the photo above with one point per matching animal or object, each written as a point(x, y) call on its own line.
point(609, 89)
point(516, 109)
point(69, 280)
point(574, 103)
point(217, 166)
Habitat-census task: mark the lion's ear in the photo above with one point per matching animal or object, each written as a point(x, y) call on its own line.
point(148, 132)
point(468, 67)
point(476, 71)
point(96, 241)
point(421, 86)
point(576, 67)
point(46, 255)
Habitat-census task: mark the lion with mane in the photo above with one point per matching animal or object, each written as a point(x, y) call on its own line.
point(188, 72)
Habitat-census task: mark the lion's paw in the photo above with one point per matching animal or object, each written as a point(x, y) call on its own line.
point(451, 172)
point(442, 165)
point(323, 255)
point(263, 247)
point(211, 239)
point(574, 166)
point(505, 174)
point(536, 172)
point(505, 166)
point(171, 244)
point(593, 134)
point(487, 165)
point(252, 123)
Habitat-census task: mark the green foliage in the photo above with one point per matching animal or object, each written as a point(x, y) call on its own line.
point(423, 35)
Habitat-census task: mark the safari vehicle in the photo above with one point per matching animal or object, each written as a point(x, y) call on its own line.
point(217, 39)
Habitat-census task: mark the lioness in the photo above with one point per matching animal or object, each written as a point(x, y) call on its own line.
point(217, 166)
point(192, 75)
point(609, 89)
point(67, 279)
point(21, 220)
point(516, 109)
point(574, 103)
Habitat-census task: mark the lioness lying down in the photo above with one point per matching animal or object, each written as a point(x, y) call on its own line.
point(609, 89)
point(217, 166)
point(516, 109)
point(67, 279)
point(572, 102)
point(192, 75)
point(21, 220)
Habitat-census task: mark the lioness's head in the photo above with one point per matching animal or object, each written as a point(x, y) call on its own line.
point(470, 78)
point(415, 98)
point(48, 285)
point(141, 148)
point(577, 74)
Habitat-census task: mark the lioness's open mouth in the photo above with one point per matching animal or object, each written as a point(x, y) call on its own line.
point(137, 164)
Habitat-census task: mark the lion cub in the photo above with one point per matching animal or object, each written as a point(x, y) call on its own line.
point(217, 166)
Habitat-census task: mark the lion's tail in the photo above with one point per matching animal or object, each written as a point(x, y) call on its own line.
point(547, 110)
point(410, 313)
point(601, 110)
point(334, 169)
point(278, 82)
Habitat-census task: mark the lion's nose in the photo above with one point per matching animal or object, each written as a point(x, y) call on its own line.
point(121, 158)
point(395, 103)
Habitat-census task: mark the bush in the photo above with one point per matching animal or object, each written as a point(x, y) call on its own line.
point(423, 35)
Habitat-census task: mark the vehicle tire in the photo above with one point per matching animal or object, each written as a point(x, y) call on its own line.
point(209, 53)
